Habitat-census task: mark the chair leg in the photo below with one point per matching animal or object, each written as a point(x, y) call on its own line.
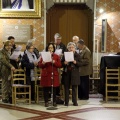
point(77, 93)
point(13, 95)
point(29, 94)
point(37, 93)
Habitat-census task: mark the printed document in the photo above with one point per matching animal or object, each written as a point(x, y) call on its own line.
point(58, 51)
point(18, 48)
point(46, 56)
point(69, 56)
point(15, 55)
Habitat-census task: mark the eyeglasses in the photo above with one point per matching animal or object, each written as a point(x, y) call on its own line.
point(70, 47)
point(9, 45)
point(50, 47)
point(31, 48)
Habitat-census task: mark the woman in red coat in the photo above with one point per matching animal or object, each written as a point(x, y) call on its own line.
point(46, 75)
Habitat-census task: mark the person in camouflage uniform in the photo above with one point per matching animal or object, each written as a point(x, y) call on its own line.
point(5, 72)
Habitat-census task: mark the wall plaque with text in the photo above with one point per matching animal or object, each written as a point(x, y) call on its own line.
point(22, 33)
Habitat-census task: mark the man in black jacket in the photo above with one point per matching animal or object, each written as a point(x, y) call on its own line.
point(59, 45)
point(16, 62)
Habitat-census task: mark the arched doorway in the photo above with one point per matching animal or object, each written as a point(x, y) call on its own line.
point(70, 20)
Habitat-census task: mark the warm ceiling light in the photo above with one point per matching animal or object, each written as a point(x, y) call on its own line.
point(101, 10)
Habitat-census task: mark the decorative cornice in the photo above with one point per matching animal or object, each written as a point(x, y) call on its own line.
point(89, 3)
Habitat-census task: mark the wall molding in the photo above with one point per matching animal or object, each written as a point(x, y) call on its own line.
point(89, 3)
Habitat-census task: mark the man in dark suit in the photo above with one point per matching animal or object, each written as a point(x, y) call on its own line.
point(59, 45)
point(16, 62)
point(58, 42)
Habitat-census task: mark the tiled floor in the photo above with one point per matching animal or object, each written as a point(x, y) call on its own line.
point(92, 109)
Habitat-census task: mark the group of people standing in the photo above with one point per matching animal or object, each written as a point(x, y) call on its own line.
point(74, 74)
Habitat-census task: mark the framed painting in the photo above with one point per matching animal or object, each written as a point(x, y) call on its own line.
point(20, 8)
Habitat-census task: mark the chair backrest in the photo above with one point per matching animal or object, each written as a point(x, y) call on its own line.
point(112, 73)
point(37, 75)
point(96, 71)
point(18, 76)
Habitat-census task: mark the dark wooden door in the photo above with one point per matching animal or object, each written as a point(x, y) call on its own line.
point(70, 20)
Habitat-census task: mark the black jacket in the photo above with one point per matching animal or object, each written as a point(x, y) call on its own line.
point(62, 46)
point(71, 76)
point(25, 64)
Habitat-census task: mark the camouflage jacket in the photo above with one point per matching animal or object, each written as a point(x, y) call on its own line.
point(5, 65)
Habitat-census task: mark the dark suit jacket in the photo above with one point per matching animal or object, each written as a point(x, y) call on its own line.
point(63, 47)
point(74, 74)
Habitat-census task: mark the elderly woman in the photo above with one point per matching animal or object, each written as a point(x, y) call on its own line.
point(49, 69)
point(5, 72)
point(29, 62)
point(70, 75)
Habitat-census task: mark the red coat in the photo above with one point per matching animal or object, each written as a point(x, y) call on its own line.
point(46, 74)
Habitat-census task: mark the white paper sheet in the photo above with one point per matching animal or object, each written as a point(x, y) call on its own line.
point(77, 51)
point(58, 51)
point(38, 59)
point(46, 56)
point(69, 57)
point(18, 48)
point(15, 55)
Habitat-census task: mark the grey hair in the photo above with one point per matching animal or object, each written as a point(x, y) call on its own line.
point(71, 43)
point(57, 35)
point(29, 44)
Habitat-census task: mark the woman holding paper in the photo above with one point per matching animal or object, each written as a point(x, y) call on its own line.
point(70, 75)
point(29, 62)
point(49, 72)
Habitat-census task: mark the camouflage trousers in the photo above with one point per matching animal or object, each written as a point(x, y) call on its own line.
point(6, 88)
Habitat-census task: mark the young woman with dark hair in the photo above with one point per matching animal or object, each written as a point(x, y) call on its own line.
point(46, 75)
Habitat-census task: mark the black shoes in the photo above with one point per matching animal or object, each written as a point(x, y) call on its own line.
point(66, 104)
point(7, 100)
point(75, 104)
point(46, 104)
point(10, 100)
point(54, 104)
point(83, 98)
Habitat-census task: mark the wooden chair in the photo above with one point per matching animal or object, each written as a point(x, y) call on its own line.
point(20, 91)
point(112, 83)
point(38, 88)
point(95, 79)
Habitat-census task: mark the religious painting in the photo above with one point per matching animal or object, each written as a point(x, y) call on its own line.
point(20, 8)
